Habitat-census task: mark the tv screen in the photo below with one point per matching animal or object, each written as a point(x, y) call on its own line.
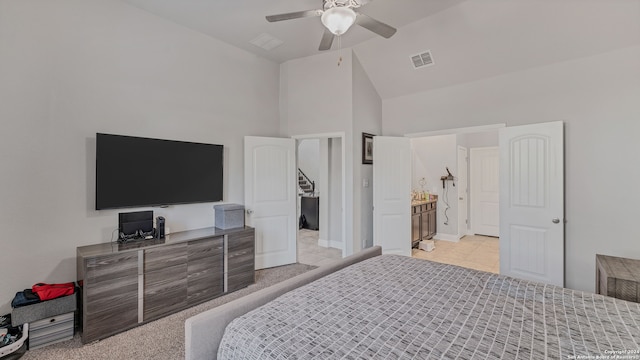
point(135, 171)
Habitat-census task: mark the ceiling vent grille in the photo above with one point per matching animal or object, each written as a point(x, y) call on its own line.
point(422, 60)
point(266, 42)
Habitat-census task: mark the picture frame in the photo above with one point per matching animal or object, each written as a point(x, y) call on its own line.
point(367, 148)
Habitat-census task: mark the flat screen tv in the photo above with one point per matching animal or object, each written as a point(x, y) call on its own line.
point(135, 171)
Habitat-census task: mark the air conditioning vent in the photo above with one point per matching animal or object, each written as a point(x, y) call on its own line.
point(422, 59)
point(266, 42)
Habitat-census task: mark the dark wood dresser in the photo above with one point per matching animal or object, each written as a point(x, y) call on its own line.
point(423, 221)
point(125, 285)
point(618, 277)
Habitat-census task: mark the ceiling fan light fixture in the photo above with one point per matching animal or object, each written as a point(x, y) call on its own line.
point(338, 19)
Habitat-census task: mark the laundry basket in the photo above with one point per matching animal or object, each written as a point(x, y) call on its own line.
point(19, 347)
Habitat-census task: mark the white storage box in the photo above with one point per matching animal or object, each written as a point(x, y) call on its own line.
point(427, 245)
point(229, 216)
point(18, 348)
point(51, 330)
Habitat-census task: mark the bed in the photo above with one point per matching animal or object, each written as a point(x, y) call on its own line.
point(395, 307)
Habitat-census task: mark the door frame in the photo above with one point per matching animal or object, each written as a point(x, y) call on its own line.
point(463, 169)
point(473, 129)
point(347, 247)
point(458, 131)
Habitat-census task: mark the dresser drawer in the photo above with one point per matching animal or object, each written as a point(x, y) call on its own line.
point(51, 330)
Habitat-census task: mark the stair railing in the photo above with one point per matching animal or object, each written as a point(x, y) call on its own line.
point(313, 183)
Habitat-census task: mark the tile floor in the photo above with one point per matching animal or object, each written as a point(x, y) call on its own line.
point(472, 251)
point(309, 252)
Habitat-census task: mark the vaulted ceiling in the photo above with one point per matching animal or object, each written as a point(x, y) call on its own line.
point(469, 39)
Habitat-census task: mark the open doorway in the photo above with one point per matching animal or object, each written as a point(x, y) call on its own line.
point(462, 176)
point(531, 208)
point(320, 239)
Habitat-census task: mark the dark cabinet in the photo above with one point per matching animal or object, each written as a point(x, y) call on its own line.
point(416, 219)
point(309, 208)
point(428, 221)
point(205, 269)
point(123, 286)
point(110, 294)
point(241, 260)
point(423, 222)
point(165, 288)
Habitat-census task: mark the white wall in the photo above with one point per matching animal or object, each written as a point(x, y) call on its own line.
point(431, 156)
point(328, 93)
point(367, 118)
point(597, 98)
point(316, 98)
point(309, 159)
point(480, 139)
point(334, 198)
point(71, 68)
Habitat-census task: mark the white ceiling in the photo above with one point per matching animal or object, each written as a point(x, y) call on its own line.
point(239, 21)
point(469, 40)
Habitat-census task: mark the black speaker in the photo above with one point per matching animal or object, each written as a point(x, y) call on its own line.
point(160, 227)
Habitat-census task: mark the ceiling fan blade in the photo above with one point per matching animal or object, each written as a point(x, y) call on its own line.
point(376, 26)
point(327, 40)
point(294, 15)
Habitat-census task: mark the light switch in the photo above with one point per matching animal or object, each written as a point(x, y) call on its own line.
point(365, 182)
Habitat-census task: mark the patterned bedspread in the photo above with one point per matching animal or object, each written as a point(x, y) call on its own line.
point(394, 307)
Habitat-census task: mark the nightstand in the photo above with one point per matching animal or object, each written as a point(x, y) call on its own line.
point(618, 277)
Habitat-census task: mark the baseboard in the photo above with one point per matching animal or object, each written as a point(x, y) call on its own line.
point(446, 237)
point(330, 244)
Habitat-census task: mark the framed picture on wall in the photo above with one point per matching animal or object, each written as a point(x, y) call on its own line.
point(367, 148)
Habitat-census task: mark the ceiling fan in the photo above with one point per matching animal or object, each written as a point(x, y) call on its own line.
point(337, 16)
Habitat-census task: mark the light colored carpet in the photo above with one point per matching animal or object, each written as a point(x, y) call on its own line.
point(160, 339)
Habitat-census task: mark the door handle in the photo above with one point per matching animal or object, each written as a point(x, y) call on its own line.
point(555, 221)
point(249, 211)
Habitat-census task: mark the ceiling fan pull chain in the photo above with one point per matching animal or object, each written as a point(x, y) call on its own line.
point(340, 47)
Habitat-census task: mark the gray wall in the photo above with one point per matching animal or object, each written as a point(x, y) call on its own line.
point(597, 98)
point(69, 69)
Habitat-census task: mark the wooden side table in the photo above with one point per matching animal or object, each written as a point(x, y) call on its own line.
point(618, 277)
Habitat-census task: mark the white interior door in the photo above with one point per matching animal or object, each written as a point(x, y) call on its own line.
point(485, 191)
point(392, 194)
point(532, 202)
point(270, 198)
point(462, 192)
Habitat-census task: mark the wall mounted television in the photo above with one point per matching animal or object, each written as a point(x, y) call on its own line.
point(136, 171)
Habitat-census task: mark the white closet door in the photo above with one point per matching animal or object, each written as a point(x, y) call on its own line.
point(532, 202)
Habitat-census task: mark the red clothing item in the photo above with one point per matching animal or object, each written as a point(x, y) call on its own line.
point(52, 291)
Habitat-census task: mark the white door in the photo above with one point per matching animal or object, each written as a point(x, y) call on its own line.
point(532, 202)
point(462, 192)
point(485, 191)
point(392, 194)
point(270, 198)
